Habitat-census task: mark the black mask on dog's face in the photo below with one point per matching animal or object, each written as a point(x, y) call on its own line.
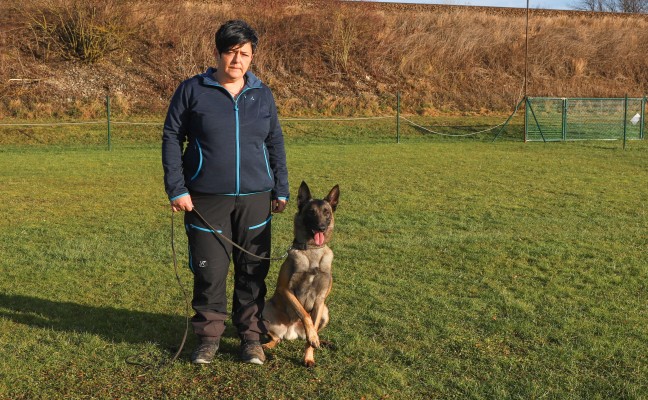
point(317, 215)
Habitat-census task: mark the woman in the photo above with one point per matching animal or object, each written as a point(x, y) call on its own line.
point(223, 153)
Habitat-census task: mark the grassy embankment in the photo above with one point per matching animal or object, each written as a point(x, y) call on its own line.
point(322, 58)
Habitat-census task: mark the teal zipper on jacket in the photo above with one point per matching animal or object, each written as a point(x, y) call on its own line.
point(238, 139)
point(238, 148)
point(238, 130)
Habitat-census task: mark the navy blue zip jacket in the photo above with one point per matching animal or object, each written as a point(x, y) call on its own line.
point(215, 144)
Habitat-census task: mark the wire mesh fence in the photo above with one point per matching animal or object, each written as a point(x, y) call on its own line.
point(548, 119)
point(563, 119)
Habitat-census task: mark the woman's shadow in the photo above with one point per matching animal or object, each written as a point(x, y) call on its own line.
point(111, 324)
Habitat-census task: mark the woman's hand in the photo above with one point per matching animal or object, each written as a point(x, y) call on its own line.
point(278, 205)
point(183, 203)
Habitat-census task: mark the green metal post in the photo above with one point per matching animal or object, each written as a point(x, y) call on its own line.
point(397, 117)
point(108, 117)
point(625, 120)
point(564, 120)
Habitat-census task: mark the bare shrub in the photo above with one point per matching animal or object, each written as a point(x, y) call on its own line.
point(77, 30)
point(339, 39)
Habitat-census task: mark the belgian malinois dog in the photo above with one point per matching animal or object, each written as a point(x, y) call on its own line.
point(297, 308)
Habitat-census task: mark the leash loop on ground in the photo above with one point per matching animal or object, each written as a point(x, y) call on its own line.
point(149, 366)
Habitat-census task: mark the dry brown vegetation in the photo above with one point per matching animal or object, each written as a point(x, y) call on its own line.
point(319, 57)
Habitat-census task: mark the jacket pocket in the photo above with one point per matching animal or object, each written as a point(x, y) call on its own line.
point(266, 157)
point(261, 224)
point(193, 160)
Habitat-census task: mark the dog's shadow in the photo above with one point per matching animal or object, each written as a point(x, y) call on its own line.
point(111, 324)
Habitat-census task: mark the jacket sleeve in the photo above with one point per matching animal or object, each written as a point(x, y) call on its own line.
point(173, 138)
point(277, 153)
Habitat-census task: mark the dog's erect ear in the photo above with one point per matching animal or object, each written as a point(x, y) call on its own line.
point(304, 195)
point(333, 197)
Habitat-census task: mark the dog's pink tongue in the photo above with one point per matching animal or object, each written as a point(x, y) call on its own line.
point(319, 238)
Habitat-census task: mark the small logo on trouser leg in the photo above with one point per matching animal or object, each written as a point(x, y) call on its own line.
point(202, 264)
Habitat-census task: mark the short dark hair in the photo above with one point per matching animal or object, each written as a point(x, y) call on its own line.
point(234, 33)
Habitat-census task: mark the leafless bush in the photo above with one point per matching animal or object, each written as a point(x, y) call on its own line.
point(77, 30)
point(340, 38)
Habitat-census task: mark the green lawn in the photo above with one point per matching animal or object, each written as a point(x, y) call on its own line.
point(463, 270)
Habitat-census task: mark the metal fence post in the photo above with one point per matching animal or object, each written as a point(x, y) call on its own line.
point(564, 120)
point(108, 117)
point(526, 117)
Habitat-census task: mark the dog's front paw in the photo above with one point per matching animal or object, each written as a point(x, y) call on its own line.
point(309, 363)
point(313, 340)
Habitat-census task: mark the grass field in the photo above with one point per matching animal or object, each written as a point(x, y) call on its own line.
point(463, 270)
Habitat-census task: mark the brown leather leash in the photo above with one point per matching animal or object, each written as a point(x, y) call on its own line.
point(230, 241)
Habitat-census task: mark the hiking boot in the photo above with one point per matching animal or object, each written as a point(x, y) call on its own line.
point(252, 352)
point(204, 353)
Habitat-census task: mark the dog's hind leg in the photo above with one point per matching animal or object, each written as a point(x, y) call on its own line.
point(274, 341)
point(276, 329)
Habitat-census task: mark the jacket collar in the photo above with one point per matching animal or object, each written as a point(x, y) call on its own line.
point(251, 80)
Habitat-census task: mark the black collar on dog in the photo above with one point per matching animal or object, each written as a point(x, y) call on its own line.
point(304, 246)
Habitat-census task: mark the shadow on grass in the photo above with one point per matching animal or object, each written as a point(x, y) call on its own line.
point(111, 324)
point(122, 326)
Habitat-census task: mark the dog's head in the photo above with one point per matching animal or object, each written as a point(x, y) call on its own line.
point(314, 220)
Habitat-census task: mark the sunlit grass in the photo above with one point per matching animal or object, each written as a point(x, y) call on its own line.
point(462, 269)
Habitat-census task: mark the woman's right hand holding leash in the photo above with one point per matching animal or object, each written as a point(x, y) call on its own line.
point(183, 203)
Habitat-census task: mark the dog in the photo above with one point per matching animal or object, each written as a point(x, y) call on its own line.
point(297, 309)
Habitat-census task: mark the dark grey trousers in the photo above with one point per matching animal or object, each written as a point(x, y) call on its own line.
point(245, 220)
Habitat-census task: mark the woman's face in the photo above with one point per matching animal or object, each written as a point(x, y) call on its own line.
point(234, 63)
